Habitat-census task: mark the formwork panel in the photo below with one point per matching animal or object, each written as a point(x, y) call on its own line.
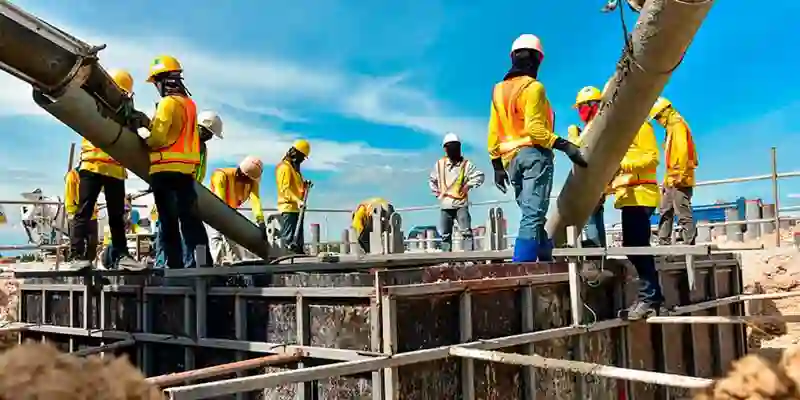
point(121, 311)
point(282, 392)
point(351, 387)
point(219, 314)
point(166, 358)
point(60, 341)
point(601, 347)
point(642, 346)
point(342, 326)
point(497, 314)
point(701, 333)
point(552, 310)
point(77, 309)
point(727, 332)
point(676, 338)
point(57, 308)
point(167, 313)
point(32, 307)
point(271, 320)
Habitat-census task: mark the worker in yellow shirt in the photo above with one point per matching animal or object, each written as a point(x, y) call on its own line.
point(98, 171)
point(174, 158)
point(291, 191)
point(681, 162)
point(235, 186)
point(362, 219)
point(520, 143)
point(71, 190)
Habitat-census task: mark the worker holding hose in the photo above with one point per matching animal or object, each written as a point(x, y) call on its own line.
point(174, 145)
point(521, 143)
point(71, 194)
point(291, 194)
point(362, 222)
point(235, 186)
point(678, 187)
point(99, 172)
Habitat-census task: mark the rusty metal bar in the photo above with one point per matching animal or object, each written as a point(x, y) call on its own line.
point(223, 369)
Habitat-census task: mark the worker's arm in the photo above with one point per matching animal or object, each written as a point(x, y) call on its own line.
point(679, 149)
point(219, 183)
point(71, 194)
point(162, 122)
point(358, 219)
point(643, 153)
point(255, 203)
point(493, 140)
point(574, 135)
point(473, 176)
point(538, 115)
point(283, 180)
point(433, 180)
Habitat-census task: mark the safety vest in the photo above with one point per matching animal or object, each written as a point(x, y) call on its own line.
point(153, 214)
point(186, 147)
point(92, 153)
point(236, 192)
point(512, 133)
point(454, 190)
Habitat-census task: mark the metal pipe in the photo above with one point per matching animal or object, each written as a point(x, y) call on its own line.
point(102, 349)
point(658, 43)
point(222, 369)
point(774, 153)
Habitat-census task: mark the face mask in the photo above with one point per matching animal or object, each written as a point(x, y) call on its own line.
point(453, 151)
point(586, 112)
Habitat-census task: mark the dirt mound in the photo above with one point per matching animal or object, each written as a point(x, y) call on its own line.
point(9, 300)
point(756, 378)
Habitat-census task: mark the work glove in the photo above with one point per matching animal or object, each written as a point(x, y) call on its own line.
point(138, 120)
point(308, 184)
point(263, 228)
point(572, 151)
point(500, 175)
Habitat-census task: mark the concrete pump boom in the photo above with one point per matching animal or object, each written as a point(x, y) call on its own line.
point(69, 83)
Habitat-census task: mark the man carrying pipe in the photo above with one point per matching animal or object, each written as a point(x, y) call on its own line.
point(98, 171)
point(362, 219)
point(234, 186)
point(452, 178)
point(520, 143)
point(72, 183)
point(680, 155)
point(291, 191)
point(209, 125)
point(174, 158)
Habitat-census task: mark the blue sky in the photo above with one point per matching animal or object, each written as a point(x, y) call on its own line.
point(374, 87)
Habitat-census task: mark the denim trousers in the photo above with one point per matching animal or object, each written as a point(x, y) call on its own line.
point(531, 175)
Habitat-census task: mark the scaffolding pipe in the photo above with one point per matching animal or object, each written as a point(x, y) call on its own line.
point(104, 348)
point(657, 45)
point(70, 84)
point(167, 380)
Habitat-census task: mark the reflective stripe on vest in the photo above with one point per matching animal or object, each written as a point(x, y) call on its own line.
point(92, 153)
point(647, 178)
point(233, 198)
point(186, 147)
point(453, 190)
point(504, 103)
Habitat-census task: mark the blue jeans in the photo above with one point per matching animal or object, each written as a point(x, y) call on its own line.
point(531, 174)
point(595, 228)
point(636, 233)
point(161, 255)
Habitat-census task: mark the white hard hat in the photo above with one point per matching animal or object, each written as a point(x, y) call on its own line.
point(211, 121)
point(449, 138)
point(528, 41)
point(252, 167)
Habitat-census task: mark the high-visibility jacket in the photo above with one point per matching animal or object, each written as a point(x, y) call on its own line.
point(96, 160)
point(362, 215)
point(153, 214)
point(174, 141)
point(636, 183)
point(72, 184)
point(681, 154)
point(574, 135)
point(455, 189)
point(234, 192)
point(290, 186)
point(106, 236)
point(521, 116)
point(200, 172)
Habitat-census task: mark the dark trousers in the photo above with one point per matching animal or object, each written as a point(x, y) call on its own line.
point(89, 188)
point(289, 221)
point(636, 233)
point(92, 241)
point(176, 201)
point(448, 218)
point(676, 201)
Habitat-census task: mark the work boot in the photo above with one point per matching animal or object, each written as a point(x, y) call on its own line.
point(641, 309)
point(127, 262)
point(75, 265)
point(525, 250)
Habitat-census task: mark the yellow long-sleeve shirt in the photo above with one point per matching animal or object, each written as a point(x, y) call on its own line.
point(165, 129)
point(290, 186)
point(235, 192)
point(520, 116)
point(362, 216)
point(639, 163)
point(71, 184)
point(680, 151)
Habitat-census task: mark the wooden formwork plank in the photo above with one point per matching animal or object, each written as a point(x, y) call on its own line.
point(727, 333)
point(701, 334)
point(676, 338)
point(552, 310)
point(641, 354)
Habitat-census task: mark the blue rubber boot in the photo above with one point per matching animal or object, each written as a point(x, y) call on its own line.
point(525, 250)
point(546, 251)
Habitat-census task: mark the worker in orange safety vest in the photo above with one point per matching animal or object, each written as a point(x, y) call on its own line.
point(98, 171)
point(235, 186)
point(680, 157)
point(521, 142)
point(452, 178)
point(174, 145)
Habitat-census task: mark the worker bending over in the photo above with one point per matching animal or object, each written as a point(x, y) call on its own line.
point(587, 103)
point(681, 162)
point(520, 144)
point(209, 124)
point(174, 158)
point(450, 181)
point(362, 219)
point(71, 193)
point(98, 171)
point(292, 191)
point(235, 186)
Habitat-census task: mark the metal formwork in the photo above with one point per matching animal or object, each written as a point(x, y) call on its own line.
point(346, 313)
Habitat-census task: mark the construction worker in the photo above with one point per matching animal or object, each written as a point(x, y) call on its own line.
point(71, 193)
point(98, 171)
point(235, 186)
point(174, 159)
point(680, 156)
point(452, 178)
point(291, 193)
point(209, 125)
point(362, 219)
point(520, 145)
point(587, 102)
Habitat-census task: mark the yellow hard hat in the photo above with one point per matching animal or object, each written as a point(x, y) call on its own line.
point(163, 64)
point(587, 94)
point(661, 104)
point(123, 79)
point(302, 146)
